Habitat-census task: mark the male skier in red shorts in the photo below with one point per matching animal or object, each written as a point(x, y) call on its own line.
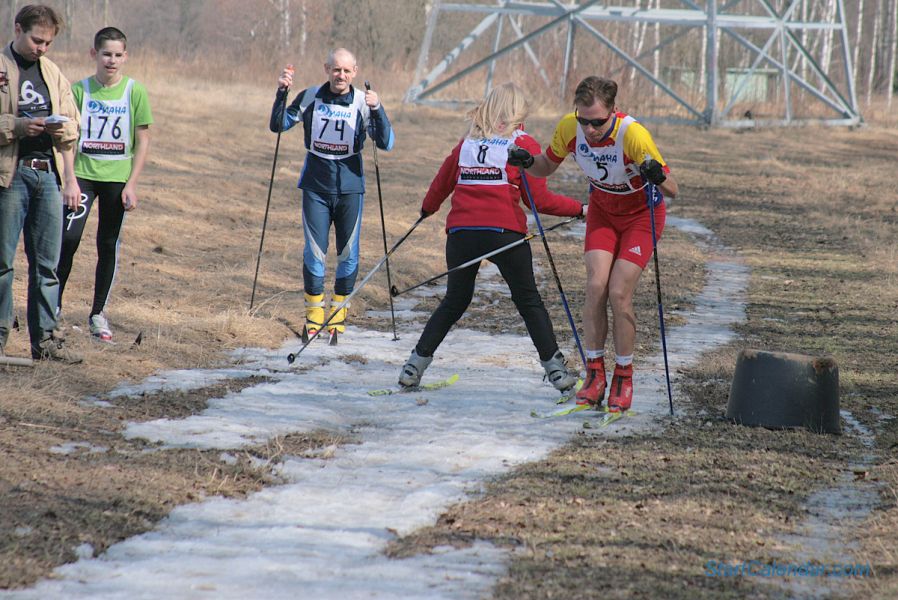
point(620, 159)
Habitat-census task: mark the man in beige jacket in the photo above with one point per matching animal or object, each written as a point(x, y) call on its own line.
point(38, 132)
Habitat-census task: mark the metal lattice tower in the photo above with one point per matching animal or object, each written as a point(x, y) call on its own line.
point(774, 62)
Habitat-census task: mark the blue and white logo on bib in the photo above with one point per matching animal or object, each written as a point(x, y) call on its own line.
point(328, 110)
point(99, 107)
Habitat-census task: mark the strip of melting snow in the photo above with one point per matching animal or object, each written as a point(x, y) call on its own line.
point(321, 535)
point(821, 538)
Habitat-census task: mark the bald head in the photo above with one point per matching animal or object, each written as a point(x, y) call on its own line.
point(341, 69)
point(339, 54)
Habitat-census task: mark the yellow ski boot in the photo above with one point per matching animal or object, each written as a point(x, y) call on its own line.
point(337, 322)
point(314, 316)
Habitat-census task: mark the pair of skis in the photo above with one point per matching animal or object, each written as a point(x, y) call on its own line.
point(607, 418)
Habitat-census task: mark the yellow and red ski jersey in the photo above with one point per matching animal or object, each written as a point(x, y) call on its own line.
point(611, 165)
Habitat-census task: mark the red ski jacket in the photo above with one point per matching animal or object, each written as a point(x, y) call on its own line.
point(496, 204)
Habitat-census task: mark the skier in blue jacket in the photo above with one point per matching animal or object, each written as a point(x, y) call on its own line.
point(336, 118)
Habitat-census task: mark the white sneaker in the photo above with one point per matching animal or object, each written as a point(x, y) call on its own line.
point(99, 327)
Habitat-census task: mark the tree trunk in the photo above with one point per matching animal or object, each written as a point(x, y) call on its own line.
point(804, 42)
point(285, 25)
point(656, 56)
point(871, 68)
point(703, 63)
point(282, 7)
point(639, 31)
point(69, 18)
point(893, 47)
point(303, 28)
point(826, 53)
point(858, 36)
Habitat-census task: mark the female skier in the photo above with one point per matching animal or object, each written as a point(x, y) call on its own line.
point(486, 214)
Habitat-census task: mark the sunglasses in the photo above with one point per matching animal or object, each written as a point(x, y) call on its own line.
point(595, 123)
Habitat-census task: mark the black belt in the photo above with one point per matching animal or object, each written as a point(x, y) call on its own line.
point(38, 164)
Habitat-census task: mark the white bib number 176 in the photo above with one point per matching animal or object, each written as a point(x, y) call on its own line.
point(115, 130)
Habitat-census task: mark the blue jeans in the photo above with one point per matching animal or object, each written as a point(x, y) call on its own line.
point(318, 212)
point(32, 202)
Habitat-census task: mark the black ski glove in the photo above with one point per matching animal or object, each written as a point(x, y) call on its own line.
point(519, 157)
point(652, 172)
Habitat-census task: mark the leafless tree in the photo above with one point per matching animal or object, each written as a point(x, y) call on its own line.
point(69, 16)
point(284, 25)
point(871, 72)
point(892, 46)
point(303, 28)
point(829, 15)
point(858, 37)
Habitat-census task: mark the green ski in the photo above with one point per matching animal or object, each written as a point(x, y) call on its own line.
point(607, 417)
point(436, 385)
point(568, 410)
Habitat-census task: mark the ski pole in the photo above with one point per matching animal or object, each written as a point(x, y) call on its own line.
point(274, 163)
point(294, 355)
point(650, 197)
point(474, 261)
point(383, 226)
point(542, 234)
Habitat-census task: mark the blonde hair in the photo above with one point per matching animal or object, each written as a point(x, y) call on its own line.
point(500, 114)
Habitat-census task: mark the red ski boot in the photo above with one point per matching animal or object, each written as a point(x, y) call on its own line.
point(593, 390)
point(621, 395)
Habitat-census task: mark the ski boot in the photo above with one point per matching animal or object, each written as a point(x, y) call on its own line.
point(621, 395)
point(593, 390)
point(337, 323)
point(410, 375)
point(557, 373)
point(314, 316)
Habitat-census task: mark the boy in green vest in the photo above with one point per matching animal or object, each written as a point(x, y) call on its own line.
point(111, 153)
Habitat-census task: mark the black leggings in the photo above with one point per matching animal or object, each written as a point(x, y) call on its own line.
point(516, 267)
point(112, 214)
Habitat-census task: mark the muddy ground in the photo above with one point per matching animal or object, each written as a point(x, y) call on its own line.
point(811, 211)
